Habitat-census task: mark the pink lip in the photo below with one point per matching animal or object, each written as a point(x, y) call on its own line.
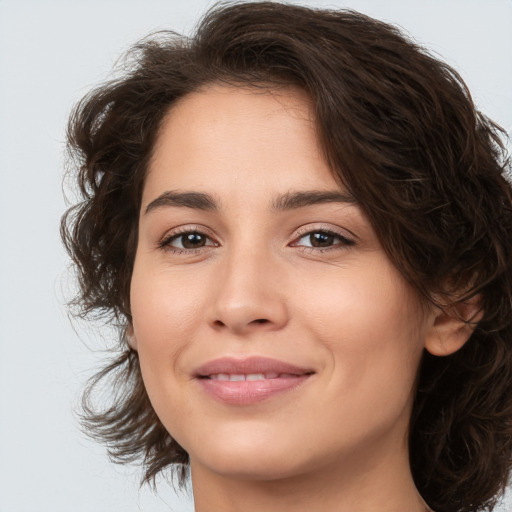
point(248, 392)
point(254, 364)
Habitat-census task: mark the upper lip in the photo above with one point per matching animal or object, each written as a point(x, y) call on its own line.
point(249, 365)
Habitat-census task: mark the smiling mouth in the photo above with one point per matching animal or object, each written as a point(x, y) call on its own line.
point(254, 367)
point(250, 376)
point(251, 380)
point(247, 389)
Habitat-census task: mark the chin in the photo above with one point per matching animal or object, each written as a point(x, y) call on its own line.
point(249, 459)
point(260, 468)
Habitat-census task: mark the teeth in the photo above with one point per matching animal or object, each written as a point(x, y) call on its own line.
point(249, 376)
point(255, 376)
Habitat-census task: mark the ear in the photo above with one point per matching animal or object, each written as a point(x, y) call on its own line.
point(451, 328)
point(130, 337)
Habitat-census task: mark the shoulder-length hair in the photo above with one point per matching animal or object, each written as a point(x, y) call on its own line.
point(400, 131)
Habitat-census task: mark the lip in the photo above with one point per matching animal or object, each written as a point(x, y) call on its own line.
point(245, 392)
point(254, 364)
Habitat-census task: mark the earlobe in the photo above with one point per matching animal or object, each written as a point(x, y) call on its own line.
point(130, 337)
point(451, 328)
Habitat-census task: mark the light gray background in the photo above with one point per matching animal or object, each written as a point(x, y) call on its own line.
point(51, 53)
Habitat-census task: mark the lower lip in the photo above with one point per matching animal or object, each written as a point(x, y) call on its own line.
point(250, 391)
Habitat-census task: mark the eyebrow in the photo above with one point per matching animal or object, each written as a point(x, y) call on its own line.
point(287, 201)
point(292, 200)
point(196, 200)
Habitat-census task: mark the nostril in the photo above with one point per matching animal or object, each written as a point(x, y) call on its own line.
point(261, 321)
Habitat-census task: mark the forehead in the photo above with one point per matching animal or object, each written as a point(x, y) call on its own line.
point(228, 138)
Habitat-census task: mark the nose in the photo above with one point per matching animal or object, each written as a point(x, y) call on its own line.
point(249, 294)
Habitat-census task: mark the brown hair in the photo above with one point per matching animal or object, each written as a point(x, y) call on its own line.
point(399, 129)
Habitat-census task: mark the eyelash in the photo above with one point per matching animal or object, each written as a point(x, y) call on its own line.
point(165, 243)
point(343, 241)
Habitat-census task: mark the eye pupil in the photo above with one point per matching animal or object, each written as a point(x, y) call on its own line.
point(321, 239)
point(193, 240)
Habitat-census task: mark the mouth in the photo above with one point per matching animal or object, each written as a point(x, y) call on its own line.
point(247, 381)
point(254, 367)
point(250, 376)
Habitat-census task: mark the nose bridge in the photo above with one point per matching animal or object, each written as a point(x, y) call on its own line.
point(248, 294)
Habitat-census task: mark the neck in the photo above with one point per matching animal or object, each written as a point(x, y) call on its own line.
point(364, 483)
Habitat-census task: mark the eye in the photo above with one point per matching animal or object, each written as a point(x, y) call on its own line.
point(188, 240)
point(322, 239)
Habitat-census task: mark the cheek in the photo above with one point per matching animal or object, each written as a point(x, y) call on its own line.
point(369, 304)
point(162, 305)
point(164, 320)
point(373, 327)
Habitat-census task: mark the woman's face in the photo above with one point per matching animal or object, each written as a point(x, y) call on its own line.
point(275, 336)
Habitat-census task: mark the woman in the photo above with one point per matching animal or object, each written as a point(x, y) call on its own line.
point(302, 227)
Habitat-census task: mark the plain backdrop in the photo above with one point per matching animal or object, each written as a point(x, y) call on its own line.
point(51, 53)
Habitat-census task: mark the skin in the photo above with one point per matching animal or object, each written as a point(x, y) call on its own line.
point(256, 286)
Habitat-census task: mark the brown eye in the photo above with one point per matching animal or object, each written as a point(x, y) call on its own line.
point(190, 240)
point(321, 239)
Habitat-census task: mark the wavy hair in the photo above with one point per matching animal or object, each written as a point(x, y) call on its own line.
point(400, 131)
